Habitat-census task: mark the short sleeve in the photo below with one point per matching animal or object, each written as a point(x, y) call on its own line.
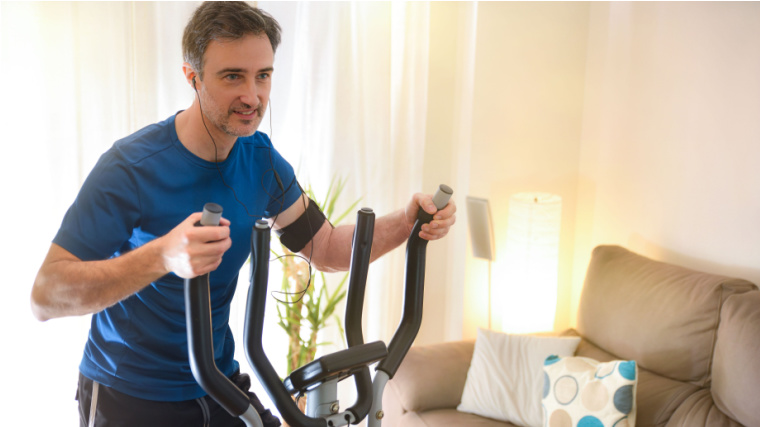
point(100, 221)
point(281, 200)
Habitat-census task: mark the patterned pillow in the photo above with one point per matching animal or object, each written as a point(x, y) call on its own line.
point(582, 392)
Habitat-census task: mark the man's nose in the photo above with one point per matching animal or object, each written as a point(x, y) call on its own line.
point(250, 94)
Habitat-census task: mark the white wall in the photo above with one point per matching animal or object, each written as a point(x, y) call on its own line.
point(671, 135)
point(526, 129)
point(643, 116)
point(447, 145)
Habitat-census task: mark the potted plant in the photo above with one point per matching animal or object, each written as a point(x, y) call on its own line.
point(307, 305)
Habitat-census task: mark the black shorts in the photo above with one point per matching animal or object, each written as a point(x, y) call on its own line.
point(118, 409)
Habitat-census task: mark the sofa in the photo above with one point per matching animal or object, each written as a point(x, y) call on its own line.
point(695, 337)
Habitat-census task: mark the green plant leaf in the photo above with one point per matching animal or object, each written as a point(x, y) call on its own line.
point(346, 212)
point(340, 326)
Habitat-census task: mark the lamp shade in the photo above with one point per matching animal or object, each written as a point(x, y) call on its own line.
point(531, 262)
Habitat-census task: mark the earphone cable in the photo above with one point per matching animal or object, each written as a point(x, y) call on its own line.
point(280, 201)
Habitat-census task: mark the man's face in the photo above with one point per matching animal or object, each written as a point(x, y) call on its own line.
point(236, 83)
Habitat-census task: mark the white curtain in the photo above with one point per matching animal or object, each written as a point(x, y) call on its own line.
point(76, 77)
point(349, 98)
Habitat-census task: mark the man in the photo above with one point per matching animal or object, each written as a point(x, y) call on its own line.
point(126, 243)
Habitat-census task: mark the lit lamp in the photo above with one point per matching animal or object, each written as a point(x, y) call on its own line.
point(532, 257)
point(481, 236)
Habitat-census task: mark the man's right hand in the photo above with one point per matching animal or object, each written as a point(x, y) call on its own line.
point(189, 251)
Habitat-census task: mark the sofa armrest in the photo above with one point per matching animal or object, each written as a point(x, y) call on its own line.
point(430, 377)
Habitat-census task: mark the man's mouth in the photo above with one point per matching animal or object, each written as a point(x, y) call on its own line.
point(246, 114)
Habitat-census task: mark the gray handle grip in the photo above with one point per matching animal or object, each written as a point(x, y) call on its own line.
point(212, 214)
point(442, 196)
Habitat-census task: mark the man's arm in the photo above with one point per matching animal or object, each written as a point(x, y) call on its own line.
point(68, 286)
point(330, 249)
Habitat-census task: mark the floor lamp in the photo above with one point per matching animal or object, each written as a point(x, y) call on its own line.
point(481, 237)
point(531, 254)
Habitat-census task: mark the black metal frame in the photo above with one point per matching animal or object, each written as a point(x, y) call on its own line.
point(353, 362)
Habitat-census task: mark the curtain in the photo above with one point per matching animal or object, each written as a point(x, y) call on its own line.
point(358, 112)
point(349, 98)
point(76, 77)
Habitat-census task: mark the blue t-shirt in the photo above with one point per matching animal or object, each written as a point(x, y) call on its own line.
point(140, 189)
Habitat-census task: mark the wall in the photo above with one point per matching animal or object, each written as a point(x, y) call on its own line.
point(642, 116)
point(671, 136)
point(526, 129)
point(447, 145)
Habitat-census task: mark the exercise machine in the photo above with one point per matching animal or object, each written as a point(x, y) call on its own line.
point(317, 380)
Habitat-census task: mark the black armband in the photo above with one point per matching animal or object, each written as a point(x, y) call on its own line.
point(300, 232)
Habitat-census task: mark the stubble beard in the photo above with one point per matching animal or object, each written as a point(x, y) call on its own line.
point(246, 127)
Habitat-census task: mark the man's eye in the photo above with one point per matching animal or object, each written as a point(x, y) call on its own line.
point(263, 76)
point(232, 76)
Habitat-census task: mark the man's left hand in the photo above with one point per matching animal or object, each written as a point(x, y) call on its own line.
point(442, 219)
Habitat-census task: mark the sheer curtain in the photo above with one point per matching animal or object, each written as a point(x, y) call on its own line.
point(76, 77)
point(349, 98)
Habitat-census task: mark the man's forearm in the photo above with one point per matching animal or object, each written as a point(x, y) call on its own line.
point(332, 246)
point(390, 232)
point(67, 286)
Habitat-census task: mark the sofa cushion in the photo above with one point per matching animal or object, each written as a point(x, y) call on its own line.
point(663, 316)
point(736, 378)
point(447, 418)
point(657, 397)
point(420, 385)
point(699, 410)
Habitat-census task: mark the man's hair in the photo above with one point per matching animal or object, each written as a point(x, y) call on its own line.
point(225, 20)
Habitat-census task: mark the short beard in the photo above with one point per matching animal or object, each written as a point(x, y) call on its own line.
point(224, 123)
point(222, 119)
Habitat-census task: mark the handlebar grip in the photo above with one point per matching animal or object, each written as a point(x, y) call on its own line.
point(442, 196)
point(212, 214)
point(200, 338)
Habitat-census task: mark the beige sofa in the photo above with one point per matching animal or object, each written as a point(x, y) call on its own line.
point(695, 337)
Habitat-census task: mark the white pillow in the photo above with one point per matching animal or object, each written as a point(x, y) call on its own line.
point(505, 380)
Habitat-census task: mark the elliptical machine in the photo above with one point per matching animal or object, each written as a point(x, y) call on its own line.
point(318, 380)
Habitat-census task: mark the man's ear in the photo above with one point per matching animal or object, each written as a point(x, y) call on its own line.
point(190, 75)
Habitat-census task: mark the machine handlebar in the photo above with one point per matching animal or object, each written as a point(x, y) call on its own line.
point(200, 337)
point(201, 342)
point(254, 327)
point(414, 288)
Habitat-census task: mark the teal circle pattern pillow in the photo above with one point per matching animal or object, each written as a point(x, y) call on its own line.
point(582, 392)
